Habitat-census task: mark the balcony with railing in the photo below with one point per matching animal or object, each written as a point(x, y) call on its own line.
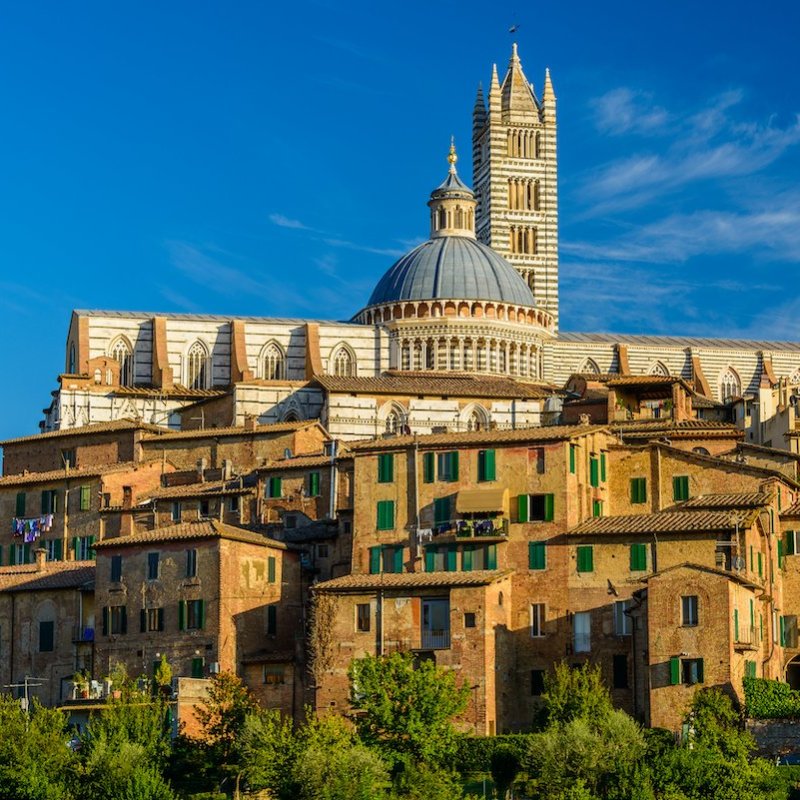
point(435, 639)
point(82, 633)
point(488, 528)
point(747, 638)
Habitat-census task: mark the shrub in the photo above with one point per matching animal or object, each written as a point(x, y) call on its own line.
point(767, 699)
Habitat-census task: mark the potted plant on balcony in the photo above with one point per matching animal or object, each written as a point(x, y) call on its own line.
point(162, 677)
point(116, 680)
point(80, 680)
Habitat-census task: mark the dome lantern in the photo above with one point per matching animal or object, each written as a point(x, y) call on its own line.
point(452, 204)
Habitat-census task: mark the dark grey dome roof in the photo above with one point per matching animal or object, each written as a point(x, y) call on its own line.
point(452, 267)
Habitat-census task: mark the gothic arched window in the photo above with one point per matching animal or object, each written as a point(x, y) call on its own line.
point(273, 362)
point(343, 363)
point(590, 367)
point(197, 366)
point(729, 385)
point(71, 359)
point(658, 369)
point(120, 351)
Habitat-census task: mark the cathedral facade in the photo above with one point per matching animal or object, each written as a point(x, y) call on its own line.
point(460, 333)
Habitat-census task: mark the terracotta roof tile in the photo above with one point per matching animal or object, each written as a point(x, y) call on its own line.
point(452, 385)
point(240, 430)
point(690, 428)
point(60, 474)
point(55, 575)
point(549, 433)
point(87, 430)
point(207, 529)
point(206, 489)
point(792, 511)
point(411, 580)
point(662, 522)
point(645, 380)
point(176, 392)
point(737, 577)
point(300, 462)
point(741, 500)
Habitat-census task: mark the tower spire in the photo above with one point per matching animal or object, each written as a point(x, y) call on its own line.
point(452, 156)
point(479, 109)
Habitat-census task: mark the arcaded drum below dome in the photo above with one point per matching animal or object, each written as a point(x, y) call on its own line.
point(452, 267)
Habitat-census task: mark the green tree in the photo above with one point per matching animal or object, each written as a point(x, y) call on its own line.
point(268, 749)
point(405, 710)
point(35, 762)
point(505, 766)
point(222, 716)
point(571, 693)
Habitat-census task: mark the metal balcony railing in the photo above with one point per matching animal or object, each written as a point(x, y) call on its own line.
point(747, 637)
point(435, 639)
point(82, 633)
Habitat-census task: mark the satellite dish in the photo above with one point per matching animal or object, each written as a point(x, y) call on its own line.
point(738, 563)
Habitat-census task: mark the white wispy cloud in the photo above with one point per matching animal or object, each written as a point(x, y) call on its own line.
point(710, 144)
point(625, 110)
point(391, 252)
point(283, 221)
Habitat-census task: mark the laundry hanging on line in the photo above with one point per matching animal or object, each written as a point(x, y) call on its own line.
point(30, 528)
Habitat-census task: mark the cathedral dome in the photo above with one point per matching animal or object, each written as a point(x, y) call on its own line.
point(452, 267)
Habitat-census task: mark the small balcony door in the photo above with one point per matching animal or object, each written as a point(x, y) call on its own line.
point(435, 624)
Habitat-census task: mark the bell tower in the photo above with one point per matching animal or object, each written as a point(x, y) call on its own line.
point(515, 178)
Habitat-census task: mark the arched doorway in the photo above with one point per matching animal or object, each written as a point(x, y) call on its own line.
point(793, 673)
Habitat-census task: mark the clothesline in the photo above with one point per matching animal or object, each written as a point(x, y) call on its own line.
point(30, 528)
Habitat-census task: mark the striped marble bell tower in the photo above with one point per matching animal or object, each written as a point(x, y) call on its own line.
point(515, 178)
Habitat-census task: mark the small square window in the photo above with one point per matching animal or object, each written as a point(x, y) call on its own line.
point(175, 511)
point(469, 619)
point(273, 675)
point(205, 508)
point(233, 504)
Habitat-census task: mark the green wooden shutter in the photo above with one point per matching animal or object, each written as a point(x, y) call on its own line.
point(486, 465)
point(603, 467)
point(736, 624)
point(760, 565)
point(124, 619)
point(593, 472)
point(202, 614)
point(92, 552)
point(537, 555)
point(45, 501)
point(585, 558)
point(451, 558)
point(572, 449)
point(597, 508)
point(466, 558)
point(1, 554)
point(374, 560)
point(161, 619)
point(85, 498)
point(142, 621)
point(428, 467)
point(197, 667)
point(638, 557)
point(549, 507)
point(782, 622)
point(20, 504)
point(680, 487)
point(491, 556)
point(181, 615)
point(752, 616)
point(441, 510)
point(675, 670)
point(105, 620)
point(430, 559)
point(271, 569)
point(397, 559)
point(523, 504)
point(789, 543)
point(58, 550)
point(313, 484)
point(385, 468)
point(12, 555)
point(385, 515)
point(26, 554)
point(454, 466)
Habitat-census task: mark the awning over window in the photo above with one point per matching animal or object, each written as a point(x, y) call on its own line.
point(477, 501)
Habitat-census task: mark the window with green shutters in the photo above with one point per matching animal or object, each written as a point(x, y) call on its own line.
point(780, 554)
point(49, 501)
point(86, 498)
point(375, 560)
point(752, 559)
point(638, 490)
point(274, 487)
point(430, 559)
point(467, 559)
point(602, 467)
point(791, 543)
point(441, 511)
point(486, 465)
point(447, 466)
point(451, 558)
point(594, 471)
point(760, 560)
point(535, 508)
point(392, 559)
point(782, 623)
point(386, 468)
point(385, 520)
point(20, 504)
point(597, 508)
point(675, 670)
point(198, 667)
point(680, 487)
point(573, 448)
point(638, 557)
point(428, 467)
point(270, 569)
point(537, 555)
point(750, 669)
point(313, 484)
point(736, 625)
point(585, 554)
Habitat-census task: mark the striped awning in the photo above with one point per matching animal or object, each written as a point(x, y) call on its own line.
point(476, 501)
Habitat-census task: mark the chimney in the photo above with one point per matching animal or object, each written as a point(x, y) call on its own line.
point(227, 469)
point(41, 558)
point(202, 465)
point(250, 422)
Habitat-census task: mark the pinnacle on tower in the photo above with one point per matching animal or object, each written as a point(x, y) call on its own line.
point(549, 94)
point(517, 92)
point(479, 110)
point(494, 92)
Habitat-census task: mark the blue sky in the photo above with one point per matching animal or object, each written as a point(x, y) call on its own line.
point(274, 159)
